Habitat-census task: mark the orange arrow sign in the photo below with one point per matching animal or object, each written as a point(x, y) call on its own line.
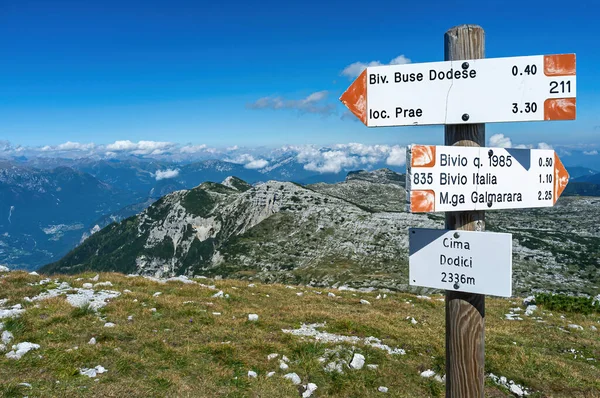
point(355, 98)
point(452, 178)
point(561, 177)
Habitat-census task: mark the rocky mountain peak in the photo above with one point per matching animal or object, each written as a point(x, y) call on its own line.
point(380, 176)
point(236, 183)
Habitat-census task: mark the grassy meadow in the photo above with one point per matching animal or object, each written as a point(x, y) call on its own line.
point(183, 342)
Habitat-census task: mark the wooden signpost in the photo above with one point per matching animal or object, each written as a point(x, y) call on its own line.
point(462, 178)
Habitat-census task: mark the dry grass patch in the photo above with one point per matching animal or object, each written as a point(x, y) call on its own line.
point(183, 349)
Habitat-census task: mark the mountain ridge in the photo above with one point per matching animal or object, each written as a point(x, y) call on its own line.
point(352, 232)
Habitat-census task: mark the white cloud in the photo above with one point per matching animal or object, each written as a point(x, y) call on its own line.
point(313, 103)
point(590, 153)
point(75, 146)
point(168, 173)
point(141, 147)
point(124, 145)
point(249, 161)
point(256, 164)
point(500, 141)
point(397, 157)
point(349, 156)
point(353, 70)
point(68, 146)
point(331, 162)
point(193, 148)
point(543, 145)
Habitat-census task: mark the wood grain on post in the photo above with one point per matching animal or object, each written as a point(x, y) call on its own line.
point(465, 312)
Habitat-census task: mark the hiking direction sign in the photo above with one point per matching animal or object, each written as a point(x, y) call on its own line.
point(456, 178)
point(488, 90)
point(461, 261)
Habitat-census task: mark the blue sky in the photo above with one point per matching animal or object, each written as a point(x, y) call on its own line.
point(185, 71)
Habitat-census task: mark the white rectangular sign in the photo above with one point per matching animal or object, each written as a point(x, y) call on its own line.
point(455, 178)
point(464, 261)
point(512, 89)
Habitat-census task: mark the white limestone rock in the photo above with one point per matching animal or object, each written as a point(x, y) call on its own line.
point(7, 337)
point(21, 349)
point(516, 389)
point(428, 373)
point(310, 389)
point(13, 312)
point(531, 309)
point(93, 372)
point(528, 301)
point(293, 377)
point(358, 361)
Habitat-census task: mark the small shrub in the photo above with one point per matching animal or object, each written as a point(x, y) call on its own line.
point(12, 390)
point(563, 302)
point(80, 312)
point(14, 325)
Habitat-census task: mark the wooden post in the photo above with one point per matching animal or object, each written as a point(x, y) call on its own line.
point(465, 312)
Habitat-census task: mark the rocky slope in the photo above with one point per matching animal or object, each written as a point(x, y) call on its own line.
point(354, 233)
point(380, 190)
point(276, 231)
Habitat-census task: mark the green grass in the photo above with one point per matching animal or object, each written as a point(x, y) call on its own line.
point(183, 350)
point(563, 302)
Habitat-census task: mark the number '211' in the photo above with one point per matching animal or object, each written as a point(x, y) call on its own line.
point(560, 87)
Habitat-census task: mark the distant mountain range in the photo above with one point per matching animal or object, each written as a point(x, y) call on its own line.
point(48, 205)
point(43, 213)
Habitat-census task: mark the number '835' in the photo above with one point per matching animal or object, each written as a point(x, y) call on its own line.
point(423, 178)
